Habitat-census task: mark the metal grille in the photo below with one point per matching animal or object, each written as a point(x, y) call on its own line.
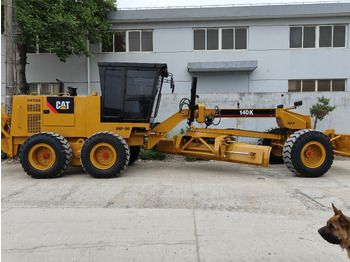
point(33, 124)
point(33, 115)
point(33, 100)
point(33, 107)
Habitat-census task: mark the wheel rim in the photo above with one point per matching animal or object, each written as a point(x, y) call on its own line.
point(103, 156)
point(42, 156)
point(313, 154)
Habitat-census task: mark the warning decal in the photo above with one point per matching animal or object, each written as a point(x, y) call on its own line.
point(247, 113)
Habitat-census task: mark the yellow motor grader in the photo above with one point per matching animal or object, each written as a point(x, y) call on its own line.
point(104, 133)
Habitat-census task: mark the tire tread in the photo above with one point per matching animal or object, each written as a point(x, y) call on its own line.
point(86, 164)
point(65, 153)
point(291, 157)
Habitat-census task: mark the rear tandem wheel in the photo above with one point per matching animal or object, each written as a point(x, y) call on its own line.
point(308, 153)
point(105, 155)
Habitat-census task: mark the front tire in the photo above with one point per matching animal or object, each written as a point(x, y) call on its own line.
point(105, 155)
point(308, 153)
point(45, 155)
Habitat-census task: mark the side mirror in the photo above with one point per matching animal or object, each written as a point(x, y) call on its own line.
point(298, 103)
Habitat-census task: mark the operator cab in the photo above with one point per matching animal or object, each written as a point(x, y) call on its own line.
point(131, 92)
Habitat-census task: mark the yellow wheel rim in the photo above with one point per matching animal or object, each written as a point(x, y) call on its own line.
point(42, 156)
point(313, 154)
point(103, 156)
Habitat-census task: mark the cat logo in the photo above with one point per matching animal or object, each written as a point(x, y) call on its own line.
point(61, 105)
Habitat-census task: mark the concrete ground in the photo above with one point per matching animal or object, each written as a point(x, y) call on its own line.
point(172, 211)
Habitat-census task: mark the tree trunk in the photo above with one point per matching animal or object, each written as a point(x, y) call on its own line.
point(22, 87)
point(315, 123)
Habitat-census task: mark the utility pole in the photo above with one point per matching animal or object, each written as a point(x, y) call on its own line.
point(9, 54)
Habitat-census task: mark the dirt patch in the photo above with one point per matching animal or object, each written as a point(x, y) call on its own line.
point(10, 161)
point(341, 158)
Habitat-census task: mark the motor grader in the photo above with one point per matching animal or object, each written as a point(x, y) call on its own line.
point(104, 133)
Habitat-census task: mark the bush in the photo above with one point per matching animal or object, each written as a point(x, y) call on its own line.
point(321, 109)
point(151, 154)
point(193, 159)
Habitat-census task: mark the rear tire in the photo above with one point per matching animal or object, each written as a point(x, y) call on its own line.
point(45, 155)
point(105, 155)
point(308, 153)
point(134, 154)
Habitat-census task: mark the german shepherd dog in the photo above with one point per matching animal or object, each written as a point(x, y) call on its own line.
point(337, 230)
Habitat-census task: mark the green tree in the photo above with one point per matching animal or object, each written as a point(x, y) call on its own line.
point(60, 27)
point(321, 109)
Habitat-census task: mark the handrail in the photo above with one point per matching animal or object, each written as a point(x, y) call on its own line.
point(59, 94)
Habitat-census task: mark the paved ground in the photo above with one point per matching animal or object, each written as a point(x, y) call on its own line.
point(172, 211)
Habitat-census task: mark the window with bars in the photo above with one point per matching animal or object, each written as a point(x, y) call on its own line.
point(317, 36)
point(129, 41)
point(323, 85)
point(43, 88)
point(220, 38)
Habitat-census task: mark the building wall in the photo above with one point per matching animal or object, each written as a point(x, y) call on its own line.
point(268, 44)
point(45, 68)
point(173, 44)
point(3, 71)
point(337, 119)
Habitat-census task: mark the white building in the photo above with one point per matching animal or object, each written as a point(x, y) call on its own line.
point(244, 56)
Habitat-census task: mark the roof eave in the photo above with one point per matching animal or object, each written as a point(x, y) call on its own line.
point(231, 13)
